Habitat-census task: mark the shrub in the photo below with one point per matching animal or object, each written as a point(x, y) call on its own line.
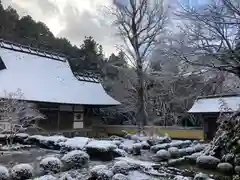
point(4, 173)
point(51, 164)
point(22, 172)
point(75, 159)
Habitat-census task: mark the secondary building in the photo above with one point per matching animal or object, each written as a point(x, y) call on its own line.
point(208, 109)
point(45, 79)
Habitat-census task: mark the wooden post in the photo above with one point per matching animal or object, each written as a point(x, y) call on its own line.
point(58, 119)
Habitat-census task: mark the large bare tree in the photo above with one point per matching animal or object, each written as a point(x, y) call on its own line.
point(210, 35)
point(140, 24)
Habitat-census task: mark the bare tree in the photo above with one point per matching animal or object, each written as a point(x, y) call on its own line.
point(210, 35)
point(17, 115)
point(140, 24)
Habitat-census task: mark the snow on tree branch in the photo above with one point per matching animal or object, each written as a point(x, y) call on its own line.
point(17, 114)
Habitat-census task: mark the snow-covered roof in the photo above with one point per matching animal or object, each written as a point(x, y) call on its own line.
point(229, 103)
point(47, 77)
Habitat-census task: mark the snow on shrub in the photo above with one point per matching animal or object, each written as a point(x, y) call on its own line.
point(76, 143)
point(178, 177)
point(127, 145)
point(21, 172)
point(158, 147)
point(145, 145)
point(121, 167)
point(101, 172)
point(4, 173)
point(225, 167)
point(190, 150)
point(120, 153)
point(46, 177)
point(120, 177)
point(75, 159)
point(67, 176)
point(201, 176)
point(101, 146)
point(163, 155)
point(174, 151)
point(207, 161)
point(136, 148)
point(199, 147)
point(51, 164)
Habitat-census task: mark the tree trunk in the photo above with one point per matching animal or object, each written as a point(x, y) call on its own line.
point(141, 109)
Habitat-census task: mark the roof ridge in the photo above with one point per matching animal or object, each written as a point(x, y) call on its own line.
point(32, 50)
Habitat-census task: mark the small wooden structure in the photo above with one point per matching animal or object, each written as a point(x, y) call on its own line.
point(45, 79)
point(208, 109)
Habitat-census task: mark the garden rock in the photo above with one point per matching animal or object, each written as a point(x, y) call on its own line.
point(208, 162)
point(162, 155)
point(21, 172)
point(4, 173)
point(237, 169)
point(121, 167)
point(120, 177)
point(51, 164)
point(225, 167)
point(101, 172)
point(75, 159)
point(174, 152)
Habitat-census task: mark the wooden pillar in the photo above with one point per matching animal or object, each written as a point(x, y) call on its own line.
point(58, 120)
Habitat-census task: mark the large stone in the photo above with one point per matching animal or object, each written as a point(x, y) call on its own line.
point(225, 167)
point(207, 162)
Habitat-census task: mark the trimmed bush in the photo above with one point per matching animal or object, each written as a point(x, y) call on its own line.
point(4, 173)
point(51, 164)
point(21, 172)
point(75, 159)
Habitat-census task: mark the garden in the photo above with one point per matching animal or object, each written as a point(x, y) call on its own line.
point(114, 158)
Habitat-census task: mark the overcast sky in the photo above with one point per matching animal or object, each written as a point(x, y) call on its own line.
point(73, 19)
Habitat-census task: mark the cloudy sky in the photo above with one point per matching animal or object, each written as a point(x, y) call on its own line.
point(73, 19)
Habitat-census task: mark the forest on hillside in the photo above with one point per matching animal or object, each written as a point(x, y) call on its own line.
point(171, 86)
